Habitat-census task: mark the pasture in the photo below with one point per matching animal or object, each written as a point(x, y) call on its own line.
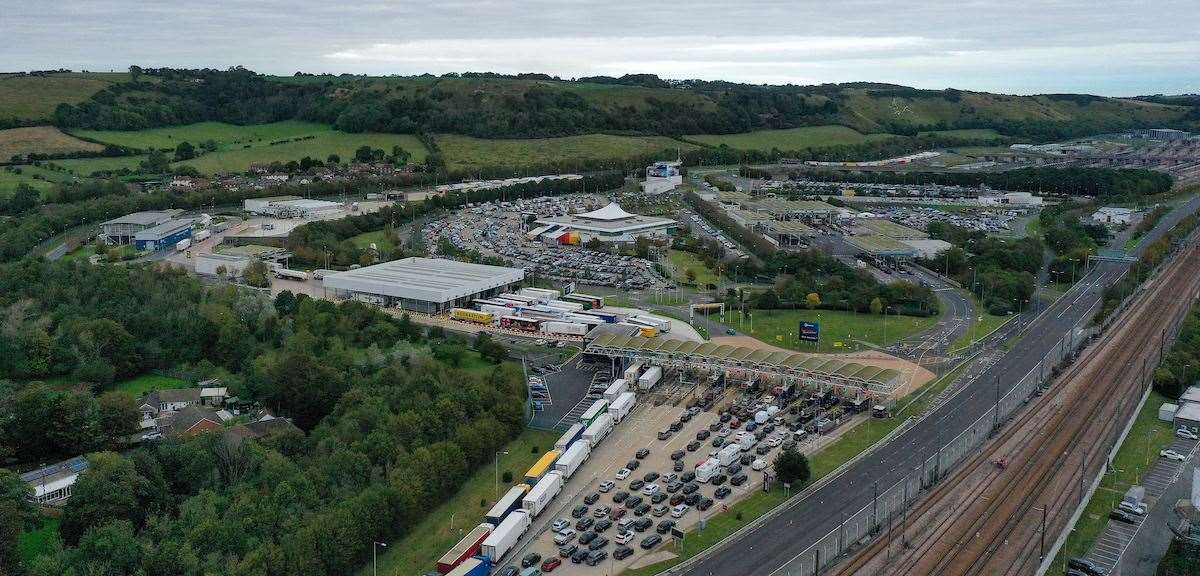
point(35, 97)
point(41, 140)
point(790, 138)
point(227, 136)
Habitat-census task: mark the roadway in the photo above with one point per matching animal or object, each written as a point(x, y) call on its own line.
point(813, 515)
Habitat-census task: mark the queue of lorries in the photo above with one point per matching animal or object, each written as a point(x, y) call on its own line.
point(509, 519)
point(546, 311)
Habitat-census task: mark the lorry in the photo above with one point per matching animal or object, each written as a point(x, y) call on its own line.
point(572, 434)
point(182, 245)
point(729, 454)
point(707, 469)
point(621, 407)
point(598, 430)
point(566, 328)
point(291, 274)
point(650, 378)
point(1134, 497)
point(502, 539)
point(465, 549)
point(539, 469)
point(594, 411)
point(201, 235)
point(468, 315)
point(574, 457)
point(474, 566)
point(662, 324)
point(541, 495)
point(615, 389)
point(632, 372)
point(507, 503)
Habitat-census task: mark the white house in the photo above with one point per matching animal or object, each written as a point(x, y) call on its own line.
point(1113, 215)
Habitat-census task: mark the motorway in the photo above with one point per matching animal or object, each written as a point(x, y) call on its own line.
point(811, 516)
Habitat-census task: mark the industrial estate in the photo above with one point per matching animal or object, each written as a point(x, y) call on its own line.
point(482, 324)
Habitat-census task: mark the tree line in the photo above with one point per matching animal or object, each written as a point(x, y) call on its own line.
point(1000, 272)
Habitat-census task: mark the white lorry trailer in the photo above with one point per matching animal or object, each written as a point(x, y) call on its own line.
point(543, 493)
point(573, 458)
point(598, 430)
point(505, 536)
point(632, 372)
point(615, 389)
point(621, 406)
point(650, 378)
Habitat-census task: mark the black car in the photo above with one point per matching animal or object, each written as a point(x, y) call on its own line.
point(1122, 516)
point(733, 468)
point(651, 541)
point(579, 511)
point(644, 452)
point(692, 499)
point(622, 552)
point(685, 417)
point(746, 459)
point(690, 487)
point(620, 496)
point(769, 428)
point(637, 484)
point(719, 479)
point(677, 466)
point(598, 543)
point(703, 435)
point(580, 555)
point(658, 497)
point(676, 426)
point(587, 537)
point(687, 476)
point(596, 557)
point(674, 487)
point(665, 526)
point(704, 504)
point(693, 446)
point(722, 492)
point(738, 480)
point(633, 502)
point(508, 571)
point(677, 499)
point(602, 525)
point(714, 426)
point(568, 550)
point(718, 442)
point(584, 524)
point(651, 476)
point(1086, 566)
point(591, 498)
point(531, 559)
point(678, 455)
point(641, 510)
point(725, 417)
point(762, 449)
point(642, 524)
point(633, 464)
point(664, 434)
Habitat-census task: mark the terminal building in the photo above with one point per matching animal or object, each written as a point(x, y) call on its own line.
point(662, 177)
point(609, 224)
point(120, 231)
point(290, 207)
point(163, 236)
point(428, 285)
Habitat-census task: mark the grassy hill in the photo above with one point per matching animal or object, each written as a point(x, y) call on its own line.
point(35, 97)
point(465, 153)
point(41, 140)
point(790, 138)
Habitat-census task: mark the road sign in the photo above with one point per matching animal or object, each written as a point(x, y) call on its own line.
point(810, 331)
point(677, 533)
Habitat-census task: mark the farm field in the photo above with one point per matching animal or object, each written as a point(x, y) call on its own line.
point(149, 383)
point(779, 327)
point(417, 552)
point(464, 152)
point(37, 177)
point(41, 140)
point(319, 147)
point(790, 138)
point(226, 135)
point(86, 166)
point(35, 97)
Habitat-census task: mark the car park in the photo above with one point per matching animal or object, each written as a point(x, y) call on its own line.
point(579, 511)
point(651, 541)
point(591, 498)
point(530, 559)
point(607, 486)
point(584, 524)
point(620, 496)
point(565, 536)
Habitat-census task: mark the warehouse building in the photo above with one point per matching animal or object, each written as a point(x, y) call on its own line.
point(610, 224)
point(428, 285)
point(120, 231)
point(290, 207)
point(663, 176)
point(212, 264)
point(163, 236)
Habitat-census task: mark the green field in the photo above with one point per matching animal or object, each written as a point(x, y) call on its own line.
point(320, 147)
point(779, 327)
point(225, 135)
point(1139, 451)
point(35, 97)
point(965, 134)
point(36, 176)
point(365, 240)
point(682, 261)
point(86, 166)
point(39, 541)
point(791, 138)
point(150, 382)
point(41, 140)
point(426, 541)
point(464, 152)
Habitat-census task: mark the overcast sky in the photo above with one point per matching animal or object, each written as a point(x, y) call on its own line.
point(1015, 46)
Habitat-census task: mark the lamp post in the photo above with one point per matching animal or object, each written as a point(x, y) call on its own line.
point(375, 557)
point(498, 453)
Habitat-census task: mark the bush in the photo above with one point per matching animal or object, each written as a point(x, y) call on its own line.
point(507, 477)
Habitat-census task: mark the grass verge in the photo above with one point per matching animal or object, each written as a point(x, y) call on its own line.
point(148, 383)
point(38, 541)
point(840, 331)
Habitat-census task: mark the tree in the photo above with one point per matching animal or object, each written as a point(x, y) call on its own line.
point(23, 199)
point(690, 275)
point(876, 305)
point(363, 154)
point(333, 159)
point(767, 300)
point(185, 151)
point(108, 490)
point(16, 514)
point(400, 156)
point(155, 163)
point(792, 466)
point(135, 72)
point(118, 415)
point(812, 300)
point(257, 274)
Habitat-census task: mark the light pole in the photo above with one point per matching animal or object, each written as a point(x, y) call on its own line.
point(498, 453)
point(375, 557)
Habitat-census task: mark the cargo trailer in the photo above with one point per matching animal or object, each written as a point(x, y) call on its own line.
point(615, 389)
point(541, 467)
point(621, 406)
point(182, 245)
point(543, 293)
point(662, 324)
point(707, 469)
point(572, 434)
point(507, 503)
point(598, 430)
point(607, 317)
point(505, 536)
point(522, 324)
point(291, 274)
point(573, 306)
point(632, 372)
point(465, 549)
point(650, 378)
point(565, 328)
point(729, 454)
point(468, 315)
point(518, 298)
point(573, 458)
point(583, 319)
point(477, 566)
point(591, 302)
point(595, 410)
point(543, 493)
point(201, 235)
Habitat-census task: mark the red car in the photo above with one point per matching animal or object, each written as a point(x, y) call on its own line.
point(616, 514)
point(550, 564)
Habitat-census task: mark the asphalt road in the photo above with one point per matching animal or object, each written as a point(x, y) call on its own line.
point(816, 514)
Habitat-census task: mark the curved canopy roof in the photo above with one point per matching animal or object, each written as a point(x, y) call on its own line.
point(610, 212)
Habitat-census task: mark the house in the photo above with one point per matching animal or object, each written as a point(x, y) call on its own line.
point(1113, 215)
point(190, 420)
point(169, 400)
point(212, 393)
point(52, 484)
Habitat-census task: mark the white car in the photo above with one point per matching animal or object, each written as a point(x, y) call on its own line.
point(541, 342)
point(1185, 433)
point(1172, 455)
point(625, 537)
point(724, 433)
point(650, 489)
point(560, 524)
point(565, 536)
point(623, 473)
point(607, 486)
point(1140, 509)
point(759, 464)
point(774, 441)
point(679, 510)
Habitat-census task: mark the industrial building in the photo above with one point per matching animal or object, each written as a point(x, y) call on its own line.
point(120, 231)
point(213, 264)
point(1113, 215)
point(427, 285)
point(609, 224)
point(163, 236)
point(662, 177)
point(289, 207)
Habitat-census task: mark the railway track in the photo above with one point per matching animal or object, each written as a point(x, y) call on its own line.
point(986, 519)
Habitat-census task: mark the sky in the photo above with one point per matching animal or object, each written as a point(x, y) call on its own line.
point(1115, 48)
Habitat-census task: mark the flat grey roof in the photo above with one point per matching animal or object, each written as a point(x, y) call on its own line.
point(623, 225)
point(141, 218)
point(165, 229)
point(424, 279)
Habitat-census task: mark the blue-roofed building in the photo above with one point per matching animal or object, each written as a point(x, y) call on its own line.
point(52, 484)
point(163, 236)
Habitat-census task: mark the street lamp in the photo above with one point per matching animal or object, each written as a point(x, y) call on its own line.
point(375, 557)
point(498, 453)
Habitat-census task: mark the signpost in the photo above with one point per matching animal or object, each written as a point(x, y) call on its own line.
point(810, 331)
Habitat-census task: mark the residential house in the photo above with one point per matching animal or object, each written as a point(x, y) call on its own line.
point(190, 420)
point(169, 400)
point(52, 484)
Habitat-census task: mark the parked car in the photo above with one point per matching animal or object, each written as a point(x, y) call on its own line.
point(733, 468)
point(664, 435)
point(738, 479)
point(622, 552)
point(674, 487)
point(601, 512)
point(1122, 516)
point(651, 541)
point(665, 526)
point(693, 446)
point(607, 486)
point(579, 556)
point(677, 466)
point(508, 571)
point(722, 492)
point(623, 473)
point(633, 464)
point(550, 564)
point(579, 511)
point(591, 498)
point(1139, 509)
point(651, 476)
point(568, 550)
point(758, 465)
point(584, 524)
point(530, 559)
point(620, 496)
point(598, 543)
point(660, 510)
point(1086, 566)
point(1186, 433)
point(637, 484)
point(650, 489)
point(644, 452)
point(678, 455)
point(719, 479)
point(625, 537)
point(704, 504)
point(564, 536)
point(746, 459)
point(560, 525)
point(658, 497)
point(587, 537)
point(703, 435)
point(616, 514)
point(718, 442)
point(595, 557)
point(690, 487)
point(692, 499)
point(642, 524)
point(602, 525)
point(1172, 455)
point(633, 502)
point(641, 510)
point(687, 477)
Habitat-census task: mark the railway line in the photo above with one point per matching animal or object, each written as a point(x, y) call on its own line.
point(995, 514)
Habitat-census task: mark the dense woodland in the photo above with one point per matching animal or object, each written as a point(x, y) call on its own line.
point(1000, 272)
point(391, 426)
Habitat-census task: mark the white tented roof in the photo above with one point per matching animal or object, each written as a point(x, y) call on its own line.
point(610, 212)
point(424, 279)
